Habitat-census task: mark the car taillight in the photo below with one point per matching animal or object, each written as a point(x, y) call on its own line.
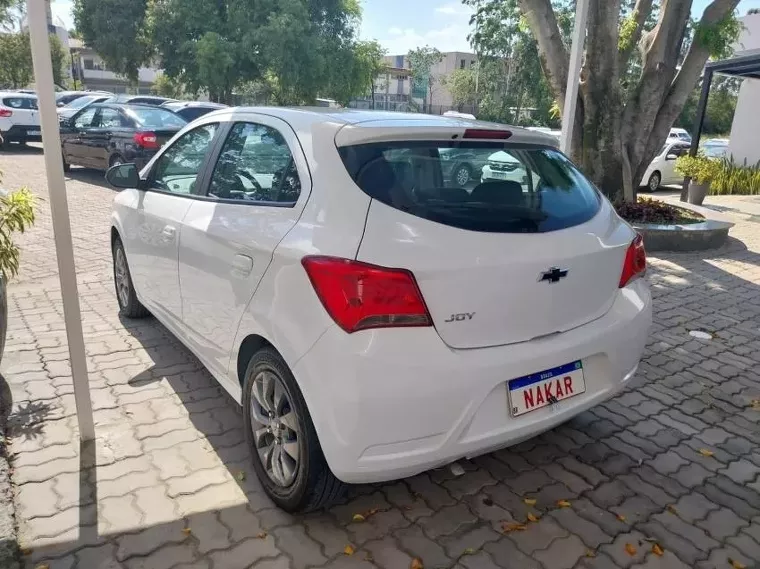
point(489, 134)
point(635, 264)
point(360, 296)
point(146, 139)
point(4, 113)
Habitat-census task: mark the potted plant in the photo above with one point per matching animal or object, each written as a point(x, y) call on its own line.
point(701, 171)
point(16, 214)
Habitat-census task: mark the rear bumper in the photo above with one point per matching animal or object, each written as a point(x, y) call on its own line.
point(21, 132)
point(392, 403)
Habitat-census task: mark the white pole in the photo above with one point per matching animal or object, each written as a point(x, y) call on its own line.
point(59, 209)
point(574, 75)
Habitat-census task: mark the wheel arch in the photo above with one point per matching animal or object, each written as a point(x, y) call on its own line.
point(248, 347)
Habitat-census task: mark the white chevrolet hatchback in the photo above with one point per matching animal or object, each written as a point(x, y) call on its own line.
point(374, 318)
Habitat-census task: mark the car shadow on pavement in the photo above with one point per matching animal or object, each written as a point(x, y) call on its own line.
point(89, 176)
point(19, 149)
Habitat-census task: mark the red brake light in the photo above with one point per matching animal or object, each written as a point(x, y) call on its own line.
point(360, 296)
point(635, 265)
point(6, 113)
point(146, 139)
point(486, 133)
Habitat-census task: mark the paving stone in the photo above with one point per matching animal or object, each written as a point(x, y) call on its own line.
point(617, 549)
point(636, 509)
point(693, 507)
point(741, 471)
point(692, 475)
point(166, 556)
point(589, 532)
point(604, 518)
point(538, 536)
point(414, 541)
point(686, 550)
point(469, 540)
point(246, 553)
point(722, 523)
point(480, 560)
point(506, 554)
point(723, 557)
point(386, 554)
point(149, 539)
point(667, 463)
point(302, 550)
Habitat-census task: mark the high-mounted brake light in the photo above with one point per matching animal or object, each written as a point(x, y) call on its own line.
point(5, 113)
point(635, 264)
point(487, 134)
point(146, 139)
point(359, 296)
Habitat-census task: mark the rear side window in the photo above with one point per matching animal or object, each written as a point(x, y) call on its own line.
point(20, 102)
point(479, 186)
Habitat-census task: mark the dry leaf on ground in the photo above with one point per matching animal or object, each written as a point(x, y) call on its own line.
point(736, 564)
point(532, 518)
point(530, 501)
point(657, 550)
point(706, 452)
point(261, 535)
point(358, 518)
point(187, 531)
point(620, 517)
point(507, 527)
point(348, 550)
point(416, 564)
point(672, 509)
point(630, 549)
point(563, 504)
point(590, 553)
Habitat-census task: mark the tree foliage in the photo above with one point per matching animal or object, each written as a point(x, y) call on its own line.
point(16, 215)
point(116, 30)
point(17, 70)
point(642, 59)
point(298, 49)
point(421, 62)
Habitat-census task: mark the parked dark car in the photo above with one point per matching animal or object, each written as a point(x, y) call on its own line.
point(140, 99)
point(459, 166)
point(105, 134)
point(191, 110)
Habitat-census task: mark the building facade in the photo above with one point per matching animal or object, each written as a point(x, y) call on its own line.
point(90, 72)
point(743, 144)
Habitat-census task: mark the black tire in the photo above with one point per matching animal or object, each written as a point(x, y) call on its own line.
point(314, 486)
point(129, 306)
point(654, 181)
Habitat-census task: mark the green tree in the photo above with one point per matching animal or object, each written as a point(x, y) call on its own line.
point(116, 30)
point(421, 62)
point(463, 86)
point(166, 87)
point(721, 105)
point(625, 109)
point(17, 70)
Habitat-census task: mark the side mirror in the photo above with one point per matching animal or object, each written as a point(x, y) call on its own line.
point(123, 176)
point(671, 157)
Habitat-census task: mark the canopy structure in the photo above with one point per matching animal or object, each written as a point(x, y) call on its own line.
point(742, 66)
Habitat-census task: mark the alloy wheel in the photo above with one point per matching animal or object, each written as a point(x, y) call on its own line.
point(654, 182)
point(462, 175)
point(122, 277)
point(276, 431)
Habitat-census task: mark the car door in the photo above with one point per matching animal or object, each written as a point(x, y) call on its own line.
point(153, 231)
point(97, 138)
point(71, 135)
point(669, 174)
point(228, 237)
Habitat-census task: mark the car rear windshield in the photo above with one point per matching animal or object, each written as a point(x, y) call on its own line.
point(20, 102)
point(147, 117)
point(479, 186)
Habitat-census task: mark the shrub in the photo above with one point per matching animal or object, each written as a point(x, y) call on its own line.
point(655, 211)
point(699, 168)
point(732, 178)
point(16, 214)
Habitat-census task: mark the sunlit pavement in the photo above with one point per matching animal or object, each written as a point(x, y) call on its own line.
point(666, 475)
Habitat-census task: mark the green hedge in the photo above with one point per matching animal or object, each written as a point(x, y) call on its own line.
point(733, 178)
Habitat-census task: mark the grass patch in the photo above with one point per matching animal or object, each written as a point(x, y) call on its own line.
point(654, 211)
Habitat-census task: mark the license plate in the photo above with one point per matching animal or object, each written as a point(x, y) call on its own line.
point(33, 132)
point(547, 387)
point(498, 175)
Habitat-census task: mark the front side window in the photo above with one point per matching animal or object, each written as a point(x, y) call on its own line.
point(479, 186)
point(255, 165)
point(85, 119)
point(178, 167)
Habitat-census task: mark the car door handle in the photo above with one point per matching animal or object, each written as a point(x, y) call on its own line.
point(242, 265)
point(169, 232)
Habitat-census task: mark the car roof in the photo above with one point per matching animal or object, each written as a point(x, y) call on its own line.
point(304, 118)
point(185, 104)
point(17, 94)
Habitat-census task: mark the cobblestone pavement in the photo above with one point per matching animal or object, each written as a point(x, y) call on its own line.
point(670, 467)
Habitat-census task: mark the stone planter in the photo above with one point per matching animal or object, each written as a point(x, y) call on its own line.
point(3, 316)
point(698, 192)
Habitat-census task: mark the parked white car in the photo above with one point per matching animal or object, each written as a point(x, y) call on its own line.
point(502, 165)
point(677, 134)
point(374, 319)
point(716, 148)
point(661, 171)
point(19, 118)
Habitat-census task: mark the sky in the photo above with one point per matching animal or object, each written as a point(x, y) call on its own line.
point(401, 25)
